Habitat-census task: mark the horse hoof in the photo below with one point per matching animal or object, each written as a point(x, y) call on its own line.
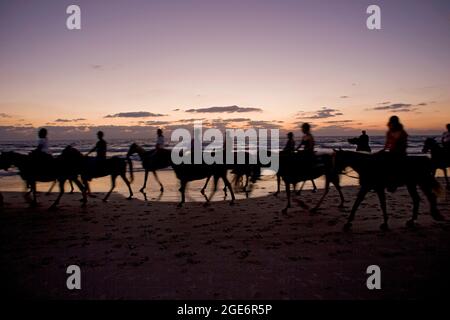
point(314, 210)
point(384, 227)
point(130, 197)
point(314, 191)
point(347, 226)
point(206, 204)
point(284, 211)
point(52, 208)
point(105, 200)
point(410, 223)
point(232, 203)
point(180, 205)
point(275, 194)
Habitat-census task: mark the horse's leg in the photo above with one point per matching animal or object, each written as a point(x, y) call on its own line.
point(123, 175)
point(382, 198)
point(288, 194)
point(360, 197)
point(61, 192)
point(427, 190)
point(161, 187)
point(202, 191)
point(447, 183)
point(416, 201)
point(1, 200)
point(337, 185)
point(33, 191)
point(228, 185)
point(314, 186)
point(278, 185)
point(51, 188)
point(113, 185)
point(71, 187)
point(145, 182)
point(301, 188)
point(83, 191)
point(327, 189)
point(213, 191)
point(246, 185)
point(182, 191)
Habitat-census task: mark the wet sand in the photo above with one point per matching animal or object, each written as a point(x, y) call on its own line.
point(133, 249)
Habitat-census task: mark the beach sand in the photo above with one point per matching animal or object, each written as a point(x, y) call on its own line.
point(133, 249)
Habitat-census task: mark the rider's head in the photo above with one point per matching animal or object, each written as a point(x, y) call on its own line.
point(306, 127)
point(364, 132)
point(290, 135)
point(394, 123)
point(42, 133)
point(448, 127)
point(100, 134)
point(159, 132)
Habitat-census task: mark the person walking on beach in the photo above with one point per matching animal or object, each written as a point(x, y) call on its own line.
point(394, 152)
point(363, 142)
point(290, 144)
point(446, 140)
point(100, 147)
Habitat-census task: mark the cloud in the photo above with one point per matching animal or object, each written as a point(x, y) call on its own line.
point(176, 110)
point(323, 113)
point(227, 109)
point(154, 123)
point(138, 114)
point(395, 106)
point(344, 97)
point(4, 115)
point(339, 121)
point(69, 120)
point(96, 66)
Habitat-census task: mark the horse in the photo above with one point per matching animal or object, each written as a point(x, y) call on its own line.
point(91, 168)
point(148, 163)
point(293, 169)
point(373, 176)
point(35, 168)
point(244, 166)
point(440, 158)
point(186, 172)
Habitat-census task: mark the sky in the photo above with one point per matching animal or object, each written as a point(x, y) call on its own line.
point(137, 65)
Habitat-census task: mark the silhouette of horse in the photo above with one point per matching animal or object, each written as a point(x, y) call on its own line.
point(150, 162)
point(186, 172)
point(293, 170)
point(440, 158)
point(32, 170)
point(91, 168)
point(374, 176)
point(244, 166)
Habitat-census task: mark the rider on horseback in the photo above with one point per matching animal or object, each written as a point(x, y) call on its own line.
point(41, 155)
point(446, 140)
point(307, 154)
point(394, 152)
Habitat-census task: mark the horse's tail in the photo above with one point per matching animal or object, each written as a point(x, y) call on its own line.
point(130, 165)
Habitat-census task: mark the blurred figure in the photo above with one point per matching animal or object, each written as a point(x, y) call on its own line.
point(100, 147)
point(290, 144)
point(394, 153)
point(308, 143)
point(446, 139)
point(160, 142)
point(363, 142)
point(396, 137)
point(43, 142)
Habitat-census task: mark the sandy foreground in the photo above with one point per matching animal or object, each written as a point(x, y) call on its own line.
point(136, 249)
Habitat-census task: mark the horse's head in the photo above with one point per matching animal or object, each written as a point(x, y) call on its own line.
point(71, 153)
point(429, 144)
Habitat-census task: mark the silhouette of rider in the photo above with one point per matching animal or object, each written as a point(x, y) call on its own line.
point(446, 140)
point(41, 155)
point(308, 143)
point(290, 144)
point(363, 142)
point(159, 140)
point(100, 147)
point(394, 153)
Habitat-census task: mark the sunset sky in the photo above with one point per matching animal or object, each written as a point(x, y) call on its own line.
point(260, 62)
